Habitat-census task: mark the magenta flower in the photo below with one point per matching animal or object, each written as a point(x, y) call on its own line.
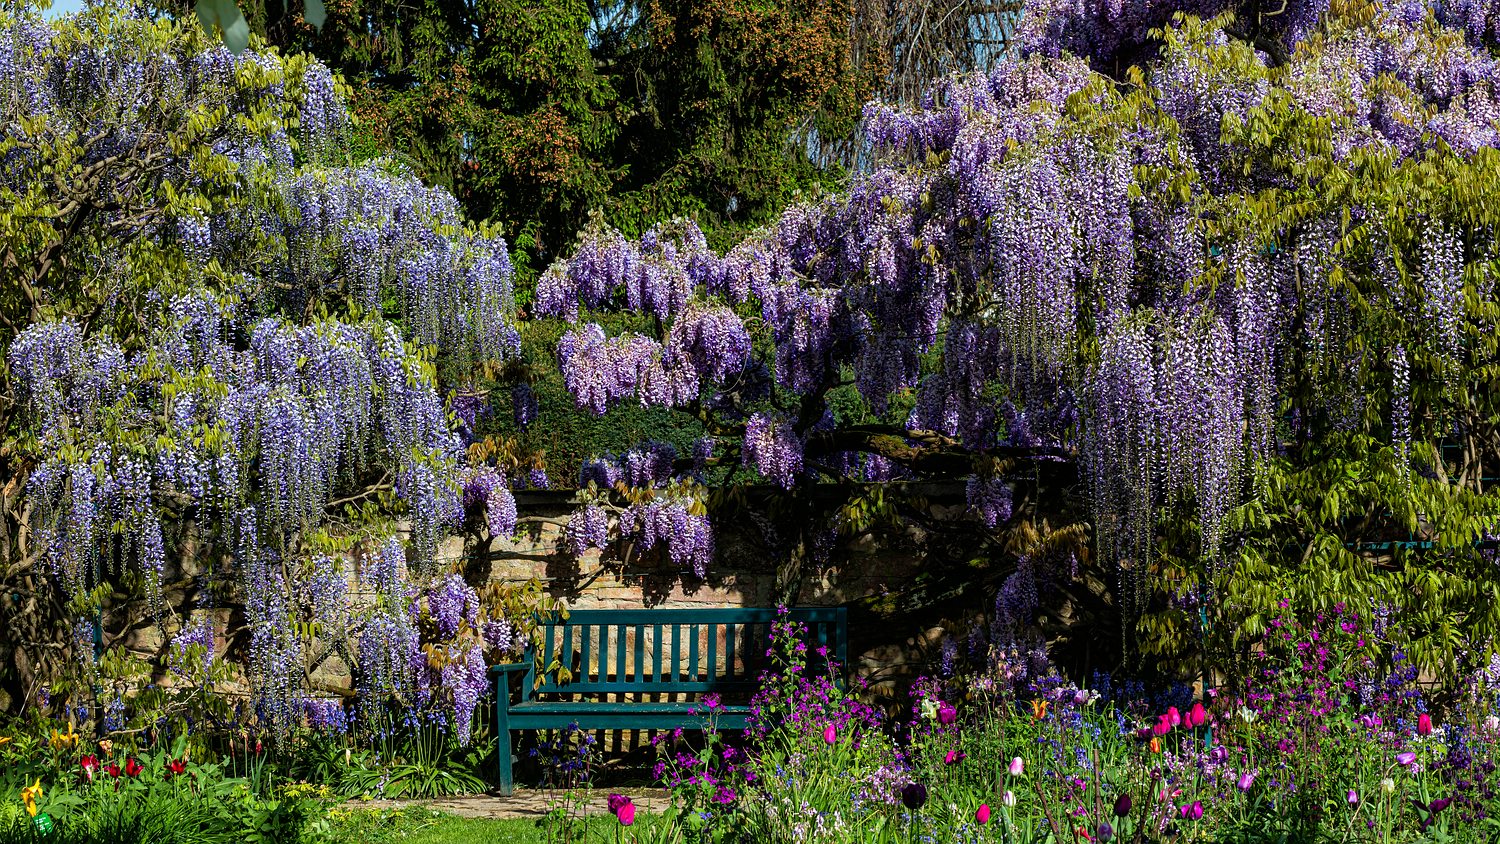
point(1424, 724)
point(1192, 812)
point(1163, 725)
point(622, 808)
point(1406, 759)
point(830, 734)
point(953, 757)
point(1247, 779)
point(1174, 716)
point(983, 815)
point(1353, 797)
point(1197, 715)
point(947, 714)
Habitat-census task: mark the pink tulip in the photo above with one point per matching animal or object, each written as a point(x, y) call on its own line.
point(1196, 716)
point(626, 814)
point(1174, 716)
point(953, 757)
point(1163, 725)
point(983, 815)
point(830, 734)
point(1016, 767)
point(1424, 724)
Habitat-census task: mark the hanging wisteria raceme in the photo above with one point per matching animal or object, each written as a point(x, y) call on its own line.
point(1401, 406)
point(669, 522)
point(390, 653)
point(1442, 263)
point(488, 489)
point(451, 602)
point(990, 499)
point(181, 659)
point(774, 449)
point(377, 229)
point(277, 667)
point(587, 528)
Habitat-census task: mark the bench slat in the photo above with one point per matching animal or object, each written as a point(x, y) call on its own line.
point(587, 648)
point(656, 672)
point(547, 654)
point(620, 655)
point(729, 641)
point(640, 656)
point(603, 654)
point(713, 652)
point(693, 655)
point(676, 652)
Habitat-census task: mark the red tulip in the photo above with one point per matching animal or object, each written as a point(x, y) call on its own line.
point(90, 765)
point(1196, 716)
point(176, 767)
point(113, 770)
point(132, 767)
point(1424, 724)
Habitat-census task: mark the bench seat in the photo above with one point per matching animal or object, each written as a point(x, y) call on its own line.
point(588, 660)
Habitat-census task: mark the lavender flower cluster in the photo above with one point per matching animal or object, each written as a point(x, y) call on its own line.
point(450, 603)
point(774, 448)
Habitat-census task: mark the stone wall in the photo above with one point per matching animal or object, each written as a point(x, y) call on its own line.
point(906, 585)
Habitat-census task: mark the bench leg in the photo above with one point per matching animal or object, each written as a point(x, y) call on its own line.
point(504, 748)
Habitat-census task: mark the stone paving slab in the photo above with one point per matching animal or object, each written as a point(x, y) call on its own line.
point(525, 803)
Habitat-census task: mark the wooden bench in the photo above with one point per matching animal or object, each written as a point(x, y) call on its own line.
point(665, 661)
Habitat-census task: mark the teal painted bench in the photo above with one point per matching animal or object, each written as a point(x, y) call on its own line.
point(663, 661)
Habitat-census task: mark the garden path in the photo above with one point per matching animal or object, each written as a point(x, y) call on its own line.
point(525, 803)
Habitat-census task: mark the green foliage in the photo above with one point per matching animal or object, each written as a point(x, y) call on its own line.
point(537, 113)
point(199, 804)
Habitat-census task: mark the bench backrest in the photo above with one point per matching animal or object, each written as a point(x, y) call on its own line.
point(690, 651)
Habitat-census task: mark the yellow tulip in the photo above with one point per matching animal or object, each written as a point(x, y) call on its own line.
point(29, 794)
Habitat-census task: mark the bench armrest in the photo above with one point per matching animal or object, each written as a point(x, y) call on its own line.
point(526, 666)
point(510, 667)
